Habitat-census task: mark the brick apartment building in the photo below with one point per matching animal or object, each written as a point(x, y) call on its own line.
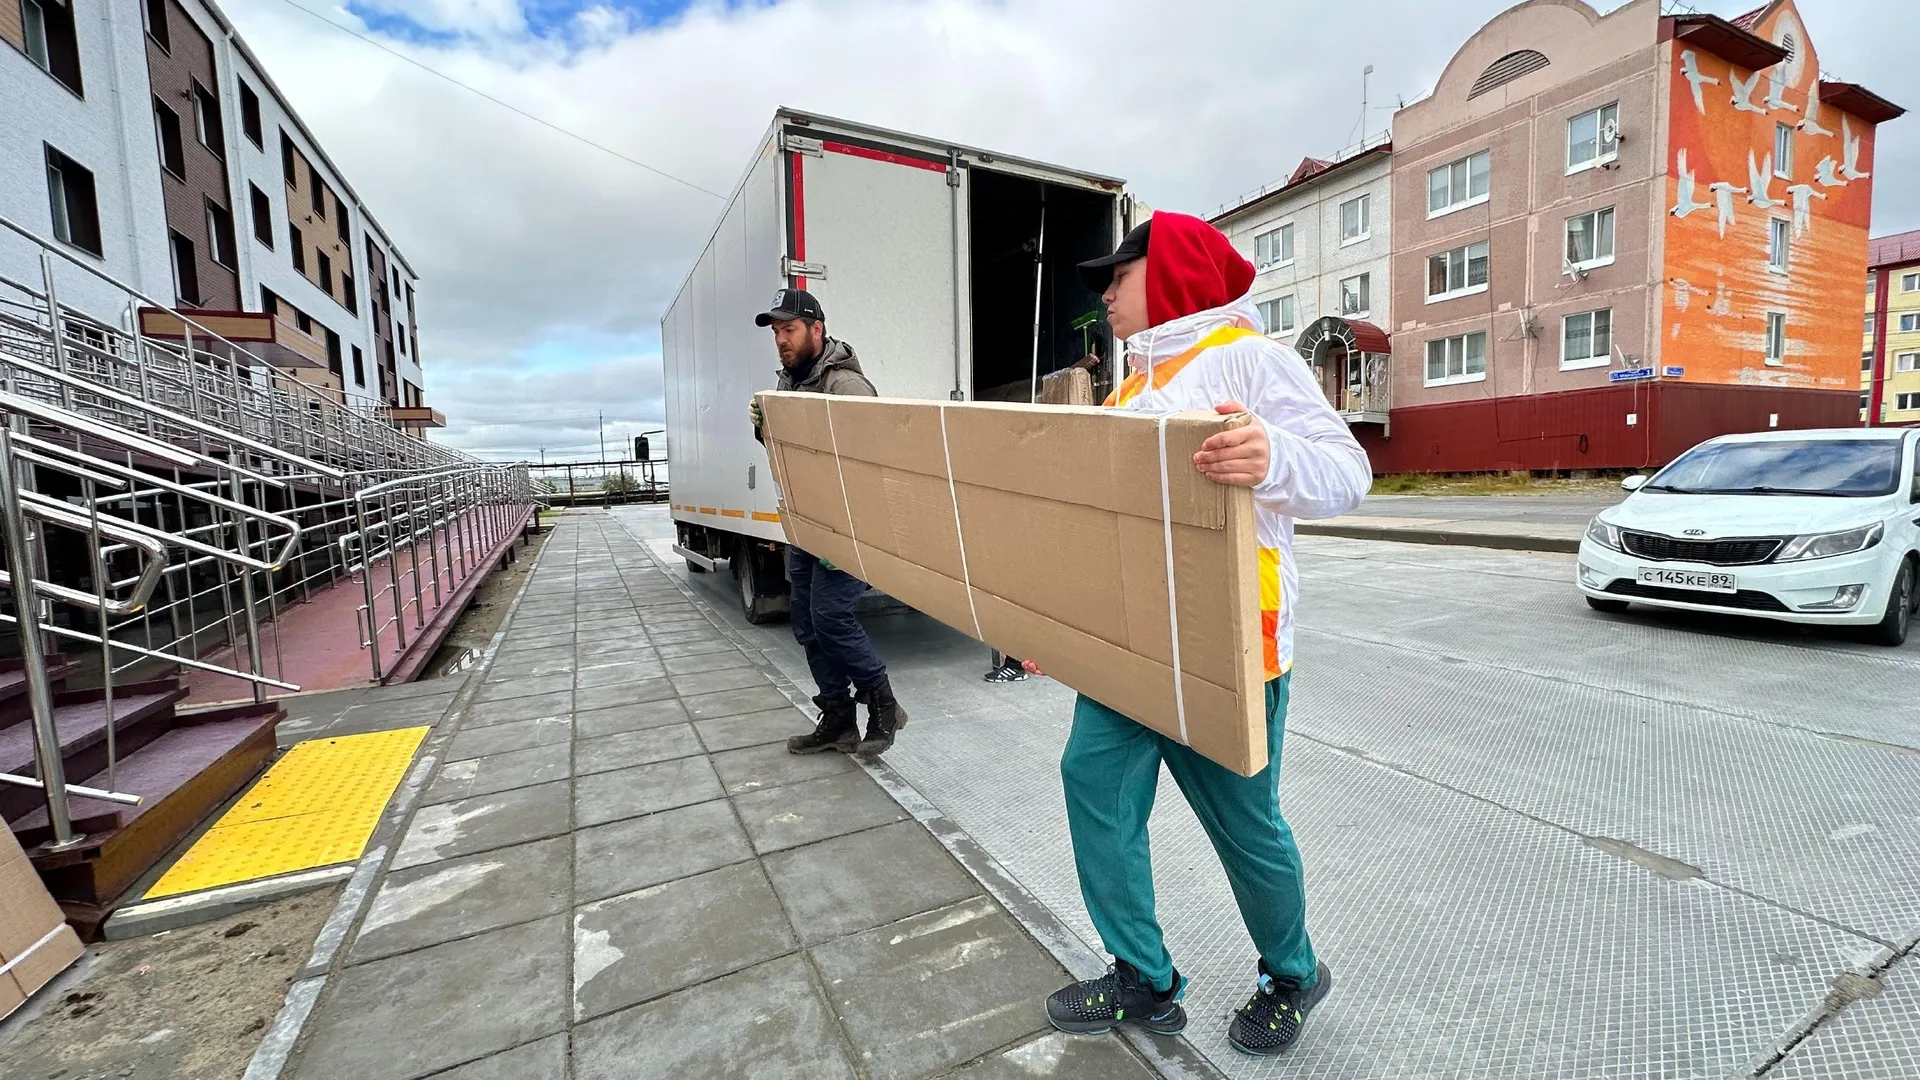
point(1890, 347)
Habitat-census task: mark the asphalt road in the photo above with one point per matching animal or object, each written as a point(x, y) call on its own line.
point(1539, 841)
point(1532, 509)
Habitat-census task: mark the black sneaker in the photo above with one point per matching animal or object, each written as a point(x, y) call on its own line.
point(1010, 672)
point(1120, 996)
point(1275, 1016)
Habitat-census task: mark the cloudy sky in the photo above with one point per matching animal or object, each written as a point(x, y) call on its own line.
point(546, 263)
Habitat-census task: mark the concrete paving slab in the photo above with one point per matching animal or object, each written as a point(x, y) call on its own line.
point(711, 682)
point(701, 647)
point(652, 850)
point(483, 823)
point(617, 674)
point(626, 648)
point(526, 684)
point(630, 748)
point(545, 1059)
point(645, 789)
point(519, 660)
point(770, 1020)
point(785, 817)
point(635, 947)
point(694, 665)
point(736, 702)
point(1876, 1038)
point(910, 874)
point(505, 738)
point(753, 729)
point(644, 686)
point(458, 898)
point(501, 772)
point(937, 990)
point(635, 717)
point(769, 766)
point(418, 1013)
point(1068, 1057)
point(486, 713)
point(693, 635)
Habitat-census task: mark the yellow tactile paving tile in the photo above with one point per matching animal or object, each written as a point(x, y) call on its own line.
point(317, 806)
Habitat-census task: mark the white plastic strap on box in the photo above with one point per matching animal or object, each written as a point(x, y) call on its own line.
point(1173, 599)
point(31, 949)
point(840, 470)
point(953, 489)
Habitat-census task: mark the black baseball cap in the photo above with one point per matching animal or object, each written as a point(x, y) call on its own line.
point(1098, 273)
point(791, 304)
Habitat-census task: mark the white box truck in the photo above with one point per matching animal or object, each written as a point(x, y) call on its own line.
point(949, 270)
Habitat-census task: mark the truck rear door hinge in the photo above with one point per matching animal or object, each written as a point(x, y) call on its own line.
point(800, 144)
point(792, 267)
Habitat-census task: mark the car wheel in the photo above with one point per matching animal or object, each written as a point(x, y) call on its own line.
point(1892, 630)
point(1608, 607)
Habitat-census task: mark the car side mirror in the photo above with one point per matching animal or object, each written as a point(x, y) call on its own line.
point(1634, 483)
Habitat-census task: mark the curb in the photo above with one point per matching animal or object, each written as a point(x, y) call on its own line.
point(1442, 537)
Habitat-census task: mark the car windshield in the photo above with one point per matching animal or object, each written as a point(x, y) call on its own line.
point(1844, 468)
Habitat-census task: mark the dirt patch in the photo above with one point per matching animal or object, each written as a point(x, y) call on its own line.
point(1489, 484)
point(488, 610)
point(186, 1003)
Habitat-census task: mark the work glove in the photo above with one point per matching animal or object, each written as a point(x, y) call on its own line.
point(825, 565)
point(753, 412)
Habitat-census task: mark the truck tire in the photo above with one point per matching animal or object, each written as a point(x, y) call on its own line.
point(755, 604)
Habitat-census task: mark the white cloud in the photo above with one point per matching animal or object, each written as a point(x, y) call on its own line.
point(525, 238)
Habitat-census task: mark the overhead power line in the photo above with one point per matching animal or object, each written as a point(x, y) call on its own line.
point(383, 47)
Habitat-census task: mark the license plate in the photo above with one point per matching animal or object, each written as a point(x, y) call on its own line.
point(1697, 580)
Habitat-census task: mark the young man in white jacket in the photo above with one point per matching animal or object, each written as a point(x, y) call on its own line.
point(1176, 291)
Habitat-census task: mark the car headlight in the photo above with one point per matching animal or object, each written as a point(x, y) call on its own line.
point(1606, 534)
point(1827, 545)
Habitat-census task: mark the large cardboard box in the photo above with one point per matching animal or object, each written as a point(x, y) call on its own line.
point(1047, 532)
point(36, 944)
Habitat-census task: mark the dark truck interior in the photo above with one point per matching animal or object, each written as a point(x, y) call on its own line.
point(1005, 219)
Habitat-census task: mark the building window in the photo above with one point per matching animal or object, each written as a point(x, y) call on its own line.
point(1274, 247)
point(302, 323)
point(1593, 138)
point(70, 195)
point(1910, 283)
point(400, 335)
point(1463, 183)
point(1590, 239)
point(206, 121)
point(220, 245)
point(1777, 244)
point(1278, 315)
point(1866, 360)
point(186, 273)
point(349, 299)
point(298, 245)
point(333, 352)
point(1907, 361)
point(262, 215)
point(157, 27)
point(1356, 295)
point(359, 368)
point(166, 127)
point(396, 283)
point(1356, 219)
point(1783, 151)
point(1459, 272)
point(1457, 359)
point(1776, 337)
point(341, 226)
point(317, 190)
point(269, 303)
point(325, 267)
point(1906, 402)
point(1869, 324)
point(287, 168)
point(250, 117)
point(1586, 339)
point(1910, 322)
point(1873, 284)
point(51, 41)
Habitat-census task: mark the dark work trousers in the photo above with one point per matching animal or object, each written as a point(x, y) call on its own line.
point(838, 650)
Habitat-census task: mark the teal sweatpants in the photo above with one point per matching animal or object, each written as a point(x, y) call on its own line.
point(1111, 770)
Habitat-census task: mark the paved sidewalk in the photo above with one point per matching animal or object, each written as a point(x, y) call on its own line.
point(1509, 522)
point(613, 869)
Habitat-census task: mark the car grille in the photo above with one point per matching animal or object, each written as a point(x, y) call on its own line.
point(1744, 600)
point(1745, 552)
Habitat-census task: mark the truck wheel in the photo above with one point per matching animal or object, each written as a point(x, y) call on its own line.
point(758, 607)
point(1892, 630)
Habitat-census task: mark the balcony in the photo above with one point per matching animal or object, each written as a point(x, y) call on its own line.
point(413, 416)
point(1350, 358)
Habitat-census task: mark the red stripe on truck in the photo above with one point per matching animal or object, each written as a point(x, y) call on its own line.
point(799, 216)
point(882, 155)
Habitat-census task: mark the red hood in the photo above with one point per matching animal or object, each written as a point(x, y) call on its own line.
point(1191, 267)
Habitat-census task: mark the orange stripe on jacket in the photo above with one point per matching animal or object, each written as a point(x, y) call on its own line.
point(1164, 372)
point(1272, 599)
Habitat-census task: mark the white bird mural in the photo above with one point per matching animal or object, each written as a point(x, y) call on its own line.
point(1760, 181)
point(1685, 204)
point(1723, 193)
point(1690, 67)
point(1850, 167)
point(1811, 125)
point(1803, 196)
point(1775, 87)
point(1743, 92)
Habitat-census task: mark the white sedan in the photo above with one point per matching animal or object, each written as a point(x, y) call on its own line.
point(1819, 527)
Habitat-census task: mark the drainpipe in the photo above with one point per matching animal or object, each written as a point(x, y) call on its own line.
point(1877, 396)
